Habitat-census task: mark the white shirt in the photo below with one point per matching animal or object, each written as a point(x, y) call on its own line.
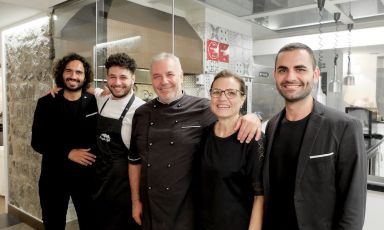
point(115, 107)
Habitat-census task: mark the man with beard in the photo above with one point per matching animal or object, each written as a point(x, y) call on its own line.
point(315, 164)
point(113, 195)
point(67, 154)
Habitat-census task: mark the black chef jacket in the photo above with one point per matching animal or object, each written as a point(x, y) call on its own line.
point(167, 137)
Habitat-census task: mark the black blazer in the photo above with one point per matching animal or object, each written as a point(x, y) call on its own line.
point(54, 134)
point(331, 176)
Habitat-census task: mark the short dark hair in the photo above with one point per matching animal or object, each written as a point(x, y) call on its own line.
point(121, 60)
point(60, 65)
point(297, 46)
point(228, 74)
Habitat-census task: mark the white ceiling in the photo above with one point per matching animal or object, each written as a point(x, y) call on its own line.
point(13, 11)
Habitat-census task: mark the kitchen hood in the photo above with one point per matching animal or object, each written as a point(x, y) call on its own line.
point(128, 19)
point(119, 20)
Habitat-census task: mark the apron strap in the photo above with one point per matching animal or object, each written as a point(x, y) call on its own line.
point(104, 105)
point(127, 107)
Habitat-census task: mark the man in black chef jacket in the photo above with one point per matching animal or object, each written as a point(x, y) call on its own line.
point(315, 163)
point(63, 131)
point(165, 137)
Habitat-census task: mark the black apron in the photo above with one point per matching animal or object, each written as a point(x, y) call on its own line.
point(112, 195)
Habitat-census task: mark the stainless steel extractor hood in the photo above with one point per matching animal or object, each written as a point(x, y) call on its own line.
point(128, 19)
point(117, 20)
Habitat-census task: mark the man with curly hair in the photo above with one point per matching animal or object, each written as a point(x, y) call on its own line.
point(113, 194)
point(68, 152)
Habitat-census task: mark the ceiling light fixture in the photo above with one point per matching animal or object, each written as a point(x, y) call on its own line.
point(320, 4)
point(320, 96)
point(335, 84)
point(349, 79)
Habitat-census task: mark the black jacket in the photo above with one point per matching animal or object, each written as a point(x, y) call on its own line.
point(56, 130)
point(330, 188)
point(166, 137)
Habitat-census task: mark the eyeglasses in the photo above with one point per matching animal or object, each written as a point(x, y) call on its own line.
point(229, 93)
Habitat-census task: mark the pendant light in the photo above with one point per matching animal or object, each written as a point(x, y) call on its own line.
point(349, 79)
point(319, 95)
point(335, 84)
point(320, 5)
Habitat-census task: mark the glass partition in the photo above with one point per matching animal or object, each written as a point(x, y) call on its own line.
point(96, 29)
point(74, 28)
point(142, 32)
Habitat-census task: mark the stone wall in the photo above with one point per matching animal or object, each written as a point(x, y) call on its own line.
point(28, 77)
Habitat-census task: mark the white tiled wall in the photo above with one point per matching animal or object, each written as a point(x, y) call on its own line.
point(240, 49)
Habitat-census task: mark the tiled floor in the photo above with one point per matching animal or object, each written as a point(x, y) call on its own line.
point(2, 205)
point(20, 226)
point(9, 222)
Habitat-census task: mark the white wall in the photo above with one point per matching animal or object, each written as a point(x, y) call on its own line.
point(375, 208)
point(360, 38)
point(364, 69)
point(3, 172)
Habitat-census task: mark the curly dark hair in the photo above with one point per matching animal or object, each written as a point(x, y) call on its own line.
point(121, 60)
point(60, 65)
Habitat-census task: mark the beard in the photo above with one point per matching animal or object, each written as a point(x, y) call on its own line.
point(74, 89)
point(124, 94)
point(307, 90)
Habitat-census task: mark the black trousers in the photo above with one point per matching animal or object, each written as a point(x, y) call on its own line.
point(55, 191)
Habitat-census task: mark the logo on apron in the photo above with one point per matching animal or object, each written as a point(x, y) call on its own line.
point(105, 137)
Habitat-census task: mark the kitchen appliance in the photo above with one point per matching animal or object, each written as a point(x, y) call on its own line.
point(247, 106)
point(143, 85)
point(266, 100)
point(366, 117)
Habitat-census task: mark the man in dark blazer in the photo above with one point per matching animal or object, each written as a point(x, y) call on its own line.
point(315, 166)
point(64, 132)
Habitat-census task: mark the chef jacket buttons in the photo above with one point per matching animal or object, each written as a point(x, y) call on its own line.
point(150, 144)
point(169, 165)
point(148, 165)
point(149, 187)
point(167, 188)
point(176, 121)
point(179, 105)
point(171, 142)
point(154, 106)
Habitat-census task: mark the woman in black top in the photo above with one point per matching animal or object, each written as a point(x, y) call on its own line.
point(232, 193)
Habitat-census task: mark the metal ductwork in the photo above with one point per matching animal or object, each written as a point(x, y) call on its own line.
point(120, 19)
